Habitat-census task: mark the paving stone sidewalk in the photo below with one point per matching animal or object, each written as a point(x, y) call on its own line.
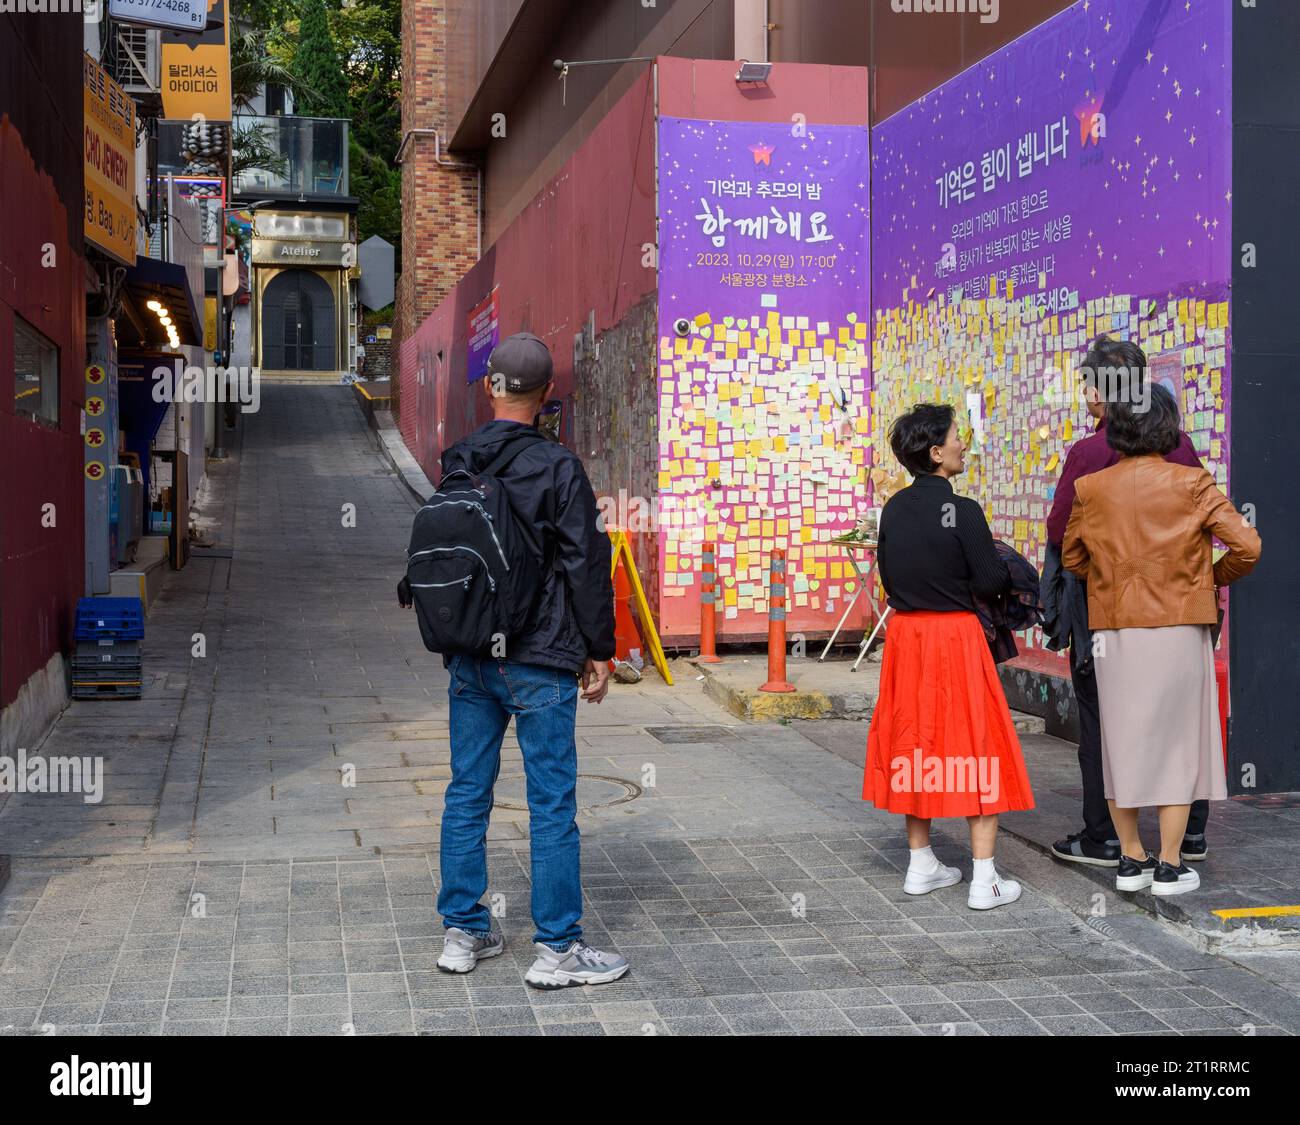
point(777, 934)
point(230, 882)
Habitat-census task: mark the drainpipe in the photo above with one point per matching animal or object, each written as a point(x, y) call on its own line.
point(437, 159)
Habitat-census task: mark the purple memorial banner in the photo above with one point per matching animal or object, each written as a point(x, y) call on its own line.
point(483, 333)
point(763, 356)
point(1076, 182)
point(774, 209)
point(1100, 141)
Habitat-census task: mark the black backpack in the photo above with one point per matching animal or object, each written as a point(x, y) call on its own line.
point(470, 570)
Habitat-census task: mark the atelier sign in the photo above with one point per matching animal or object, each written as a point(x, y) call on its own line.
point(276, 252)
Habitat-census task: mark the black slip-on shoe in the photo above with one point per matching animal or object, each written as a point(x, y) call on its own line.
point(1135, 875)
point(1171, 880)
point(1195, 848)
point(1080, 849)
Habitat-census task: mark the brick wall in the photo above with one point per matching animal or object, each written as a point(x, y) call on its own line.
point(439, 204)
point(379, 360)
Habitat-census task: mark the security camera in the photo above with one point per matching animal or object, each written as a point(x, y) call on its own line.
point(682, 326)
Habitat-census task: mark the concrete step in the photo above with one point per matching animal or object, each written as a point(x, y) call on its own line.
point(822, 691)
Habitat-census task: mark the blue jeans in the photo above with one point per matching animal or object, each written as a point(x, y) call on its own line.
point(484, 693)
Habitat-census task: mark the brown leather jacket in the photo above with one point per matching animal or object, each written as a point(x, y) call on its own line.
point(1139, 532)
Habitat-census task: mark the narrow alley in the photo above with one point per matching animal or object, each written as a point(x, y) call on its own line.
point(263, 858)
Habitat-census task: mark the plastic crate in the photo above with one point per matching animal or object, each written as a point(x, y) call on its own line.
point(119, 618)
point(122, 670)
point(112, 689)
point(107, 652)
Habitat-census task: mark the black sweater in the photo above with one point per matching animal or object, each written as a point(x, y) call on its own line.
point(936, 550)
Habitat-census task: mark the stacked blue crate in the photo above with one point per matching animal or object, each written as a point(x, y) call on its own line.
point(108, 663)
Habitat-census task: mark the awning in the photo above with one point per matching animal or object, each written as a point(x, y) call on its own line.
point(168, 284)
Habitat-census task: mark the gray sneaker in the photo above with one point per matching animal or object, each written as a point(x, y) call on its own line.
point(462, 950)
point(579, 964)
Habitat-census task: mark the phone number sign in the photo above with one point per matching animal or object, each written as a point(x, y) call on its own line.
point(176, 15)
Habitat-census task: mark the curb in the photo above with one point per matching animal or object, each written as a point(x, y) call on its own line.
point(1223, 937)
point(399, 458)
point(757, 706)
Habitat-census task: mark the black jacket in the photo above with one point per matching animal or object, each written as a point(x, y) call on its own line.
point(1065, 611)
point(1018, 607)
point(553, 502)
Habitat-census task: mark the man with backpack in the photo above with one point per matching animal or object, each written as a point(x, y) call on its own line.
point(509, 567)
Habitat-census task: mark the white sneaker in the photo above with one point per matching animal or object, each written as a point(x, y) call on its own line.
point(922, 883)
point(1000, 892)
point(579, 964)
point(462, 950)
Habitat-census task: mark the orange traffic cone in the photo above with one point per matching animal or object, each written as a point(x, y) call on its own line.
point(626, 635)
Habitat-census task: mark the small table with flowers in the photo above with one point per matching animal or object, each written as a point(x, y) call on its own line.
point(862, 557)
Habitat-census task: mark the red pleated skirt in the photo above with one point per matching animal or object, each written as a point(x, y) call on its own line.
point(942, 742)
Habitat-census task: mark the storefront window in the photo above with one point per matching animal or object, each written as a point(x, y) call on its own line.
point(36, 375)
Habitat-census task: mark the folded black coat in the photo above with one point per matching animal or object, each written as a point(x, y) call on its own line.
point(1065, 611)
point(1018, 607)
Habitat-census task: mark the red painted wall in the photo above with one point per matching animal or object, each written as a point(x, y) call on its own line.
point(576, 248)
point(707, 88)
point(41, 568)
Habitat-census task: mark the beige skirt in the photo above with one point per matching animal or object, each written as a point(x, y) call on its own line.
point(1160, 737)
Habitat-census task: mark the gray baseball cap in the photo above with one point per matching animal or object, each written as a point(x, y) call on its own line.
point(522, 362)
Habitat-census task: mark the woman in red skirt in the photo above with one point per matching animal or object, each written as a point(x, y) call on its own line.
point(942, 742)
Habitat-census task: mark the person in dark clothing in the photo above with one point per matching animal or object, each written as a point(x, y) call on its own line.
point(571, 625)
point(1112, 368)
point(942, 742)
point(569, 637)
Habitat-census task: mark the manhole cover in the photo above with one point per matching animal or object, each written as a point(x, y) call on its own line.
point(594, 792)
point(670, 735)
